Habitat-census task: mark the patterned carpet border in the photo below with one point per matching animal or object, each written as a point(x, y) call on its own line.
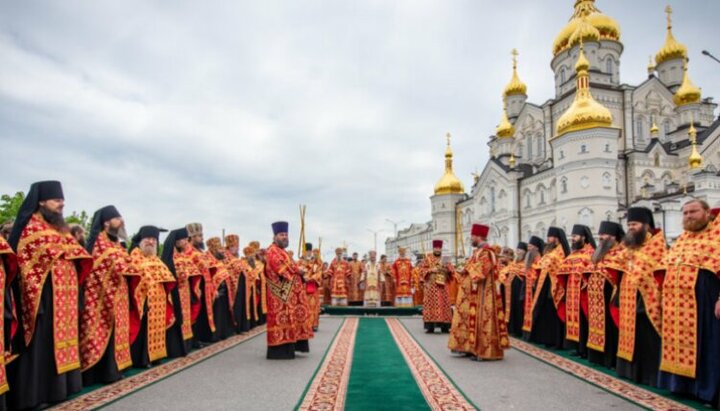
point(329, 387)
point(439, 392)
point(630, 392)
point(111, 392)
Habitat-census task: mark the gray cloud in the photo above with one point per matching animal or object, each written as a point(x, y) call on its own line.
point(233, 113)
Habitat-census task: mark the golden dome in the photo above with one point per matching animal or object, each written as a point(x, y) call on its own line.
point(449, 183)
point(688, 93)
point(606, 27)
point(585, 112)
point(654, 130)
point(695, 160)
point(505, 129)
point(515, 86)
point(672, 49)
point(584, 32)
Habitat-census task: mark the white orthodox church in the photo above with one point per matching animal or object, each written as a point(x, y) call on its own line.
point(596, 148)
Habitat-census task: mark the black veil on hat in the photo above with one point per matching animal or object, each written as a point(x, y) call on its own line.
point(146, 231)
point(39, 191)
point(522, 246)
point(559, 233)
point(583, 230)
point(612, 228)
point(169, 248)
point(99, 219)
point(537, 242)
point(641, 215)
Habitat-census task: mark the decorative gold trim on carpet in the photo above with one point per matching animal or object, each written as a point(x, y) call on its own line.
point(114, 391)
point(437, 389)
point(328, 389)
point(609, 383)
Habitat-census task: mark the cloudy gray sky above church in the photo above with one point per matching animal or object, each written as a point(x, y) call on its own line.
point(233, 113)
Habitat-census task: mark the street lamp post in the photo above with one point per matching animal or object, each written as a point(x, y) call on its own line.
point(395, 224)
point(375, 233)
point(707, 53)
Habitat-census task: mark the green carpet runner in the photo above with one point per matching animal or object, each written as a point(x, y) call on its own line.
point(380, 379)
point(379, 311)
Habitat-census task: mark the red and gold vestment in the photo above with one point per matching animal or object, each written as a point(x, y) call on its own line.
point(43, 251)
point(106, 308)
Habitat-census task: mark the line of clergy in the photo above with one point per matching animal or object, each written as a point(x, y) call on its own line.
point(78, 316)
point(627, 301)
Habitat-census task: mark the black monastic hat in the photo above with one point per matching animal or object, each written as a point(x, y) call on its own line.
point(308, 246)
point(522, 246)
point(612, 228)
point(583, 230)
point(559, 233)
point(146, 231)
point(101, 216)
point(537, 242)
point(39, 191)
point(641, 215)
point(169, 248)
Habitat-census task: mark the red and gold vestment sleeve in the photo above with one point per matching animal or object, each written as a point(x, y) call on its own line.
point(279, 263)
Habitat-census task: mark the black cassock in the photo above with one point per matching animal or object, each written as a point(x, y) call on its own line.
point(646, 353)
point(222, 315)
point(201, 327)
point(33, 376)
point(547, 328)
point(242, 323)
point(706, 383)
point(517, 306)
point(176, 346)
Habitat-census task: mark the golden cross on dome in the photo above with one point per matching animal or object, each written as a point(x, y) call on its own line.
point(669, 10)
point(514, 53)
point(447, 136)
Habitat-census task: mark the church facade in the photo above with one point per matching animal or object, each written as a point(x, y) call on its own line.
point(587, 154)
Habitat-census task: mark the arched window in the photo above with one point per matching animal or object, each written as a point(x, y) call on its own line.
point(527, 200)
point(529, 148)
point(666, 127)
point(492, 199)
point(639, 127)
point(542, 196)
point(562, 75)
point(585, 217)
point(607, 180)
point(540, 145)
point(563, 185)
point(583, 148)
point(609, 65)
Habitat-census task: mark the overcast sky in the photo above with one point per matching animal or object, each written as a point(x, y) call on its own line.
point(233, 113)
